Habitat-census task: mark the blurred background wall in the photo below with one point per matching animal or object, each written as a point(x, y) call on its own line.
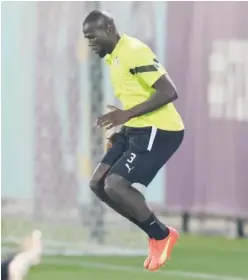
point(46, 105)
point(207, 55)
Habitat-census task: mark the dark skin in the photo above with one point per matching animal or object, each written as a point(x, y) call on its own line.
point(103, 37)
point(101, 34)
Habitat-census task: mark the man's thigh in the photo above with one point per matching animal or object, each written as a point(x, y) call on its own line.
point(112, 155)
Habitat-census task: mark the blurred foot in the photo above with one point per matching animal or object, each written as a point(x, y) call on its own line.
point(29, 255)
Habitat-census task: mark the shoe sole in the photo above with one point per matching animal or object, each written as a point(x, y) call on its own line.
point(147, 263)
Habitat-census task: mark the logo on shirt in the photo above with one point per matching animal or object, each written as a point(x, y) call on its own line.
point(156, 65)
point(116, 61)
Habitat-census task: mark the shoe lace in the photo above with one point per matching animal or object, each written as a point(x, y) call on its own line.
point(155, 248)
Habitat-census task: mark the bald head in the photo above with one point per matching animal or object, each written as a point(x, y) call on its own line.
point(99, 28)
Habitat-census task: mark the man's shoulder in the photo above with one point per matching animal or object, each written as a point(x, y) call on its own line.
point(134, 45)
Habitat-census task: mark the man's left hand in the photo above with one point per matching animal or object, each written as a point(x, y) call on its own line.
point(114, 118)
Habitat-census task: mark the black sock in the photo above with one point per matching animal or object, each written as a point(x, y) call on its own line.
point(155, 229)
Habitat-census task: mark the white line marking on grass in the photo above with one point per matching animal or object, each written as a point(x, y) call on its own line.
point(172, 273)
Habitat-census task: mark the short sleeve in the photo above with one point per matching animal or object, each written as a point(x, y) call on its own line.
point(143, 64)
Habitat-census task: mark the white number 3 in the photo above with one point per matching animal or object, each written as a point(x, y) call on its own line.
point(132, 157)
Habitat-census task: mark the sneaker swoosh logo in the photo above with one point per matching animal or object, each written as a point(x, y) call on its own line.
point(164, 254)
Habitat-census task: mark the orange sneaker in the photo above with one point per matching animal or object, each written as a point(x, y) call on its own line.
point(161, 249)
point(148, 259)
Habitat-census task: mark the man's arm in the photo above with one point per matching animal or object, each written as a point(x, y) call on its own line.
point(165, 93)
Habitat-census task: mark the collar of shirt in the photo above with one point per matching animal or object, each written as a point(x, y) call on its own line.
point(109, 57)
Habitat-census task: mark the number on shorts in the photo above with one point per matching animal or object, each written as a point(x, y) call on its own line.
point(132, 157)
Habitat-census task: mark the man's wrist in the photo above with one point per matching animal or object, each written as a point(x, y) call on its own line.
point(130, 113)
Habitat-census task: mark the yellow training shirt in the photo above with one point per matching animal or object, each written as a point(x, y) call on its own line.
point(133, 70)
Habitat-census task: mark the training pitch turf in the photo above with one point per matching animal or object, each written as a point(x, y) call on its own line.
point(212, 258)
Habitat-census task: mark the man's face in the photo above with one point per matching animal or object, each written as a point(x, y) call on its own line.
point(98, 38)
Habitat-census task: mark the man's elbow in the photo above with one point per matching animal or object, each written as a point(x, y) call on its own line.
point(168, 98)
point(173, 96)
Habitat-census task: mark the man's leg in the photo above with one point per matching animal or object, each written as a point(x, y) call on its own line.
point(113, 154)
point(140, 165)
point(97, 186)
point(127, 197)
point(121, 192)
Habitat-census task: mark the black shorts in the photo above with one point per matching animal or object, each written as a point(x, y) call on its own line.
point(137, 154)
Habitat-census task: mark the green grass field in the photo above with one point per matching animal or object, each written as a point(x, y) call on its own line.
point(213, 258)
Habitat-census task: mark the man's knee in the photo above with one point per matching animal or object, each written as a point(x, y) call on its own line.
point(97, 180)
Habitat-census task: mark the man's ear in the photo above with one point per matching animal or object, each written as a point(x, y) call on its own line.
point(109, 29)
